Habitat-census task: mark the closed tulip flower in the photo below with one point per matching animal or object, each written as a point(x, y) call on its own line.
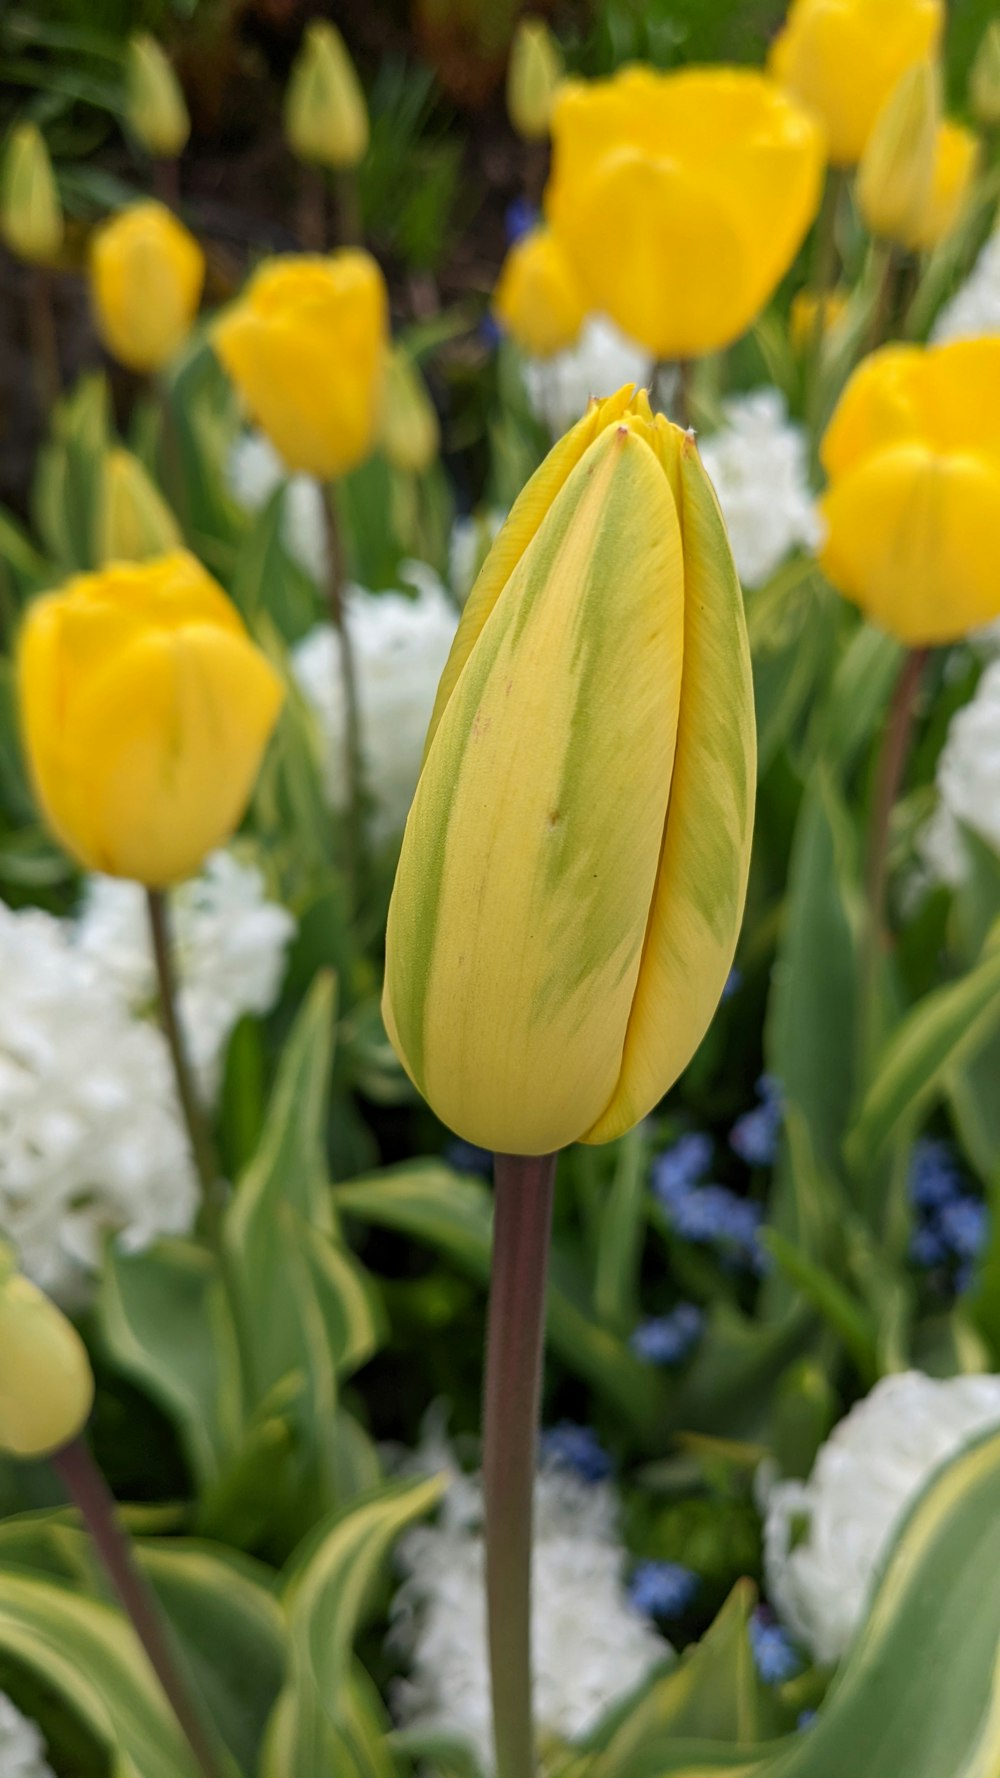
point(145, 711)
point(573, 870)
point(681, 199)
point(842, 59)
point(30, 214)
point(534, 72)
point(912, 509)
point(813, 313)
point(897, 168)
point(46, 1384)
point(146, 277)
point(134, 521)
point(956, 158)
point(538, 297)
point(154, 103)
point(411, 437)
point(306, 347)
point(326, 118)
point(984, 79)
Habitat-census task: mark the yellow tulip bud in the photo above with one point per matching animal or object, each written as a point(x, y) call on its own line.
point(538, 297)
point(811, 313)
point(956, 159)
point(984, 79)
point(681, 199)
point(842, 58)
point(897, 167)
point(306, 346)
point(30, 215)
point(146, 276)
point(154, 103)
point(46, 1385)
point(912, 509)
point(145, 712)
point(326, 118)
point(134, 520)
point(410, 437)
point(534, 72)
point(573, 870)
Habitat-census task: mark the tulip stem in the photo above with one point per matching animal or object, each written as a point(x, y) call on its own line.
point(884, 266)
point(311, 215)
point(336, 578)
point(167, 181)
point(90, 1494)
point(44, 339)
point(350, 229)
point(824, 274)
point(195, 1119)
point(514, 1345)
point(889, 770)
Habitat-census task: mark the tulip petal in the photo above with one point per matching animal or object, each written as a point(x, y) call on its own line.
point(46, 689)
point(697, 908)
point(513, 949)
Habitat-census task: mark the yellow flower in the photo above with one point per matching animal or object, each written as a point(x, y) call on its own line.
point(145, 711)
point(154, 103)
point(897, 168)
point(913, 504)
point(538, 297)
point(534, 72)
point(984, 79)
point(956, 158)
point(46, 1385)
point(30, 215)
point(306, 346)
point(842, 59)
point(573, 870)
point(804, 313)
point(326, 118)
point(681, 199)
point(134, 521)
point(410, 434)
point(146, 274)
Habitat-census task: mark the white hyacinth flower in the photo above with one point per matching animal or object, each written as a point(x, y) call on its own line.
point(757, 463)
point(22, 1750)
point(825, 1540)
point(253, 471)
point(974, 310)
point(91, 1141)
point(968, 782)
point(399, 646)
point(599, 362)
point(590, 1646)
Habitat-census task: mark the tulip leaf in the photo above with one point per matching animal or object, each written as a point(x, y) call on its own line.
point(790, 624)
point(619, 1242)
point(862, 684)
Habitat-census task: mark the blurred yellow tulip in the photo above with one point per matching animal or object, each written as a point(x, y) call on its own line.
point(984, 79)
point(956, 160)
point(46, 1384)
point(146, 277)
point(573, 871)
point(681, 199)
point(534, 72)
point(326, 118)
point(155, 110)
point(842, 59)
point(811, 313)
point(134, 521)
point(912, 510)
point(30, 215)
point(145, 712)
point(538, 297)
point(306, 346)
point(896, 173)
point(410, 436)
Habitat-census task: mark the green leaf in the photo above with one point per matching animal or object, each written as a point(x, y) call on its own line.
point(791, 623)
point(847, 1317)
point(622, 1227)
point(862, 684)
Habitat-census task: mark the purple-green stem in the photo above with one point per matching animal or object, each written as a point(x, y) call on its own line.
point(522, 1224)
point(90, 1494)
point(192, 1109)
point(889, 772)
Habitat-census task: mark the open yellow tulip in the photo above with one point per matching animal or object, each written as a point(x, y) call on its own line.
point(146, 274)
point(538, 297)
point(574, 866)
point(842, 59)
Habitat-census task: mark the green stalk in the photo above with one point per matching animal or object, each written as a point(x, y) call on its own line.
point(336, 579)
point(889, 771)
point(192, 1110)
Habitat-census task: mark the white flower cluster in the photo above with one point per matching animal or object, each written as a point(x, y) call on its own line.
point(825, 1539)
point(758, 466)
point(253, 472)
point(399, 645)
point(22, 1751)
point(600, 361)
point(974, 310)
point(590, 1646)
point(230, 944)
point(968, 782)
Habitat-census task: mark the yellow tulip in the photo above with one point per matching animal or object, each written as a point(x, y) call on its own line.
point(30, 215)
point(306, 346)
point(534, 72)
point(810, 311)
point(146, 275)
point(410, 436)
point(956, 158)
point(538, 297)
point(46, 1385)
point(145, 712)
point(912, 509)
point(134, 521)
point(842, 58)
point(326, 118)
point(154, 103)
point(897, 168)
point(681, 199)
point(573, 870)
point(984, 79)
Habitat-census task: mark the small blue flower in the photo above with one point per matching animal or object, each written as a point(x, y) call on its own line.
point(520, 217)
point(576, 1448)
point(927, 1248)
point(805, 1719)
point(490, 331)
point(465, 1157)
point(682, 1166)
point(668, 1339)
point(734, 982)
point(963, 1225)
point(934, 1176)
point(662, 1589)
point(754, 1136)
point(775, 1654)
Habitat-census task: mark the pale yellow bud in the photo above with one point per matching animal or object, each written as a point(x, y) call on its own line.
point(46, 1386)
point(326, 118)
point(30, 215)
point(134, 520)
point(984, 79)
point(154, 103)
point(534, 72)
point(896, 174)
point(410, 434)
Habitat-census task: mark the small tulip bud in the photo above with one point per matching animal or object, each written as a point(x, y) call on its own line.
point(896, 174)
point(533, 75)
point(538, 297)
point(146, 275)
point(956, 157)
point(984, 79)
point(154, 103)
point(813, 316)
point(134, 520)
point(30, 215)
point(326, 118)
point(410, 434)
point(46, 1385)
